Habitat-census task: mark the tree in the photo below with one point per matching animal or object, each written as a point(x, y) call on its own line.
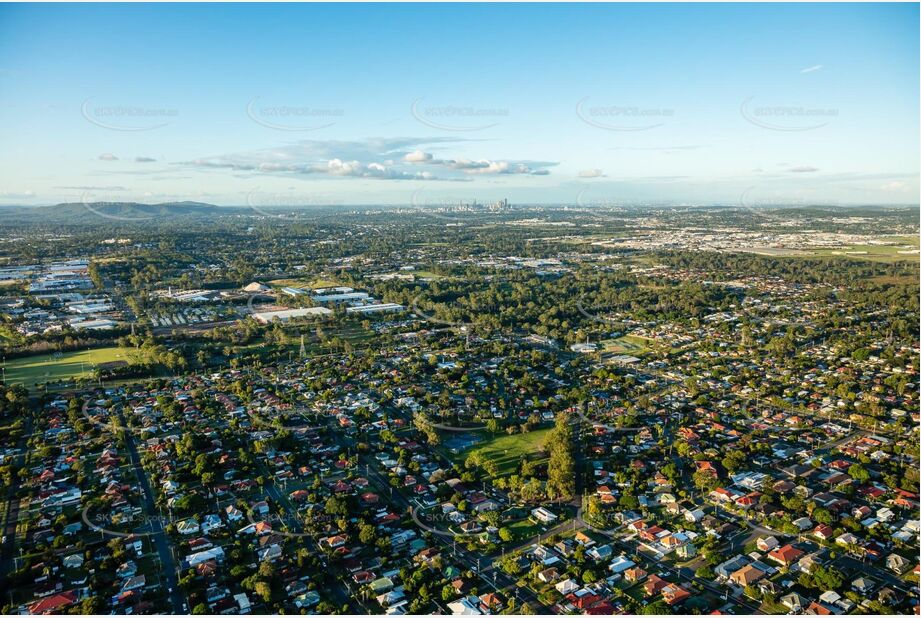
point(91, 605)
point(367, 534)
point(705, 481)
point(656, 609)
point(335, 506)
point(266, 569)
point(424, 425)
point(828, 578)
point(628, 500)
point(264, 590)
point(704, 572)
point(531, 491)
point(593, 509)
point(858, 473)
point(561, 469)
point(822, 515)
point(733, 460)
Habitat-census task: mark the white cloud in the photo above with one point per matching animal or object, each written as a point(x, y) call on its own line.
point(338, 167)
point(378, 158)
point(13, 195)
point(485, 166)
point(800, 169)
point(418, 156)
point(93, 188)
point(108, 156)
point(816, 67)
point(592, 173)
point(894, 186)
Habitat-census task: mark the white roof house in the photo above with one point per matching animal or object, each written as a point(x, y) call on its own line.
point(543, 515)
point(467, 606)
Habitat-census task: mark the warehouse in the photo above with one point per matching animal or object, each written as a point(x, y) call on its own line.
point(264, 317)
point(375, 308)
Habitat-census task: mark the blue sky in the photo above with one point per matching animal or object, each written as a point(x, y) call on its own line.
point(420, 103)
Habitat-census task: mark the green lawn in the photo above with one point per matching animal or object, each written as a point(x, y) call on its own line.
point(305, 284)
point(878, 253)
point(523, 530)
point(506, 450)
point(628, 344)
point(32, 370)
point(427, 274)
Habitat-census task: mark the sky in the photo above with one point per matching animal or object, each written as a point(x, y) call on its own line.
point(426, 104)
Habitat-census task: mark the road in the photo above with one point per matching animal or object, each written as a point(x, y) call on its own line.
point(11, 519)
point(879, 573)
point(338, 591)
point(160, 540)
point(678, 572)
point(682, 574)
point(741, 539)
point(480, 564)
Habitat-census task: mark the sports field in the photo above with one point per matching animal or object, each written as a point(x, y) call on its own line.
point(506, 450)
point(628, 344)
point(32, 370)
point(304, 284)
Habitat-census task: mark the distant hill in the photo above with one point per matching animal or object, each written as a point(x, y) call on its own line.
point(128, 211)
point(88, 212)
point(94, 213)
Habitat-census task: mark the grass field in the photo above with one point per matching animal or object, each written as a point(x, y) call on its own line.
point(507, 450)
point(32, 370)
point(900, 250)
point(427, 274)
point(307, 284)
point(876, 253)
point(628, 344)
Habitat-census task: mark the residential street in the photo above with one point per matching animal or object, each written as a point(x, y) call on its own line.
point(159, 537)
